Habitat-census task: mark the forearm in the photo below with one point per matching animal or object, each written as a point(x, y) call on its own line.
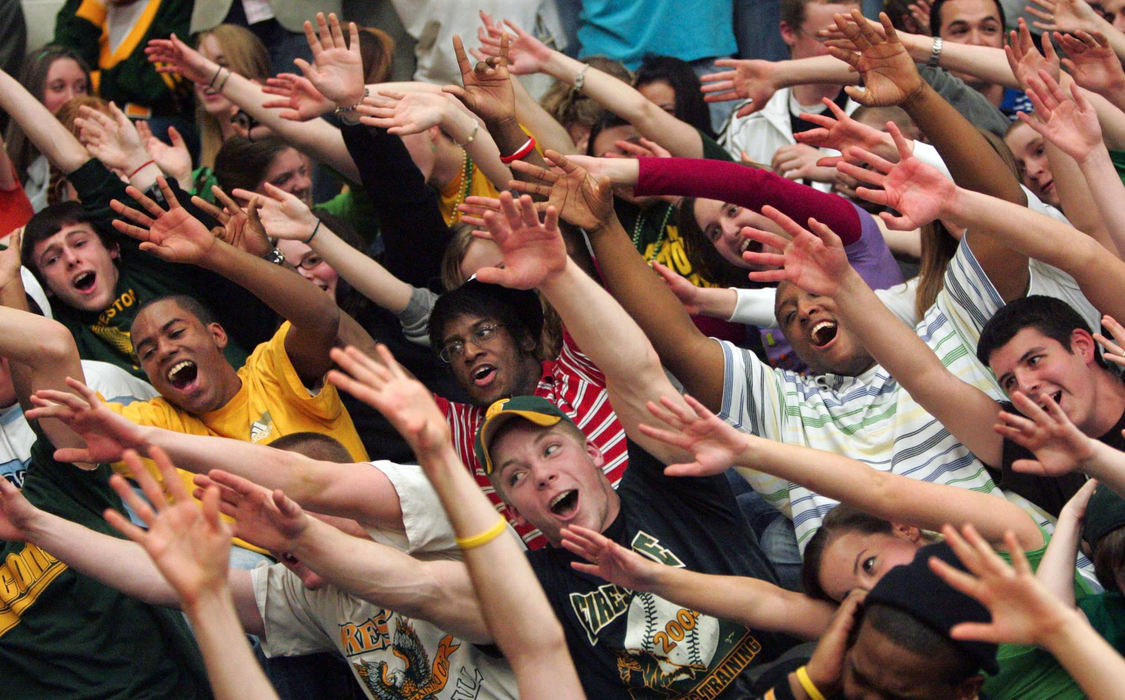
point(461, 126)
point(1107, 191)
point(1100, 276)
point(812, 71)
point(1056, 568)
point(548, 132)
point(288, 294)
point(983, 62)
point(748, 187)
point(391, 579)
point(756, 604)
point(231, 667)
point(519, 617)
point(117, 563)
point(316, 137)
point(695, 360)
point(363, 273)
point(1087, 657)
point(1107, 465)
point(1074, 197)
point(721, 302)
point(42, 129)
point(628, 103)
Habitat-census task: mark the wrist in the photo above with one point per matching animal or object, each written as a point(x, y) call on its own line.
point(348, 104)
point(208, 599)
point(916, 95)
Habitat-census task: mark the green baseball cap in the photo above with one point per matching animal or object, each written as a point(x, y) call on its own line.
point(538, 410)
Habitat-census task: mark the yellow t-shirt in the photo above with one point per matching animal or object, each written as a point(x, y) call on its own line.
point(271, 403)
point(479, 186)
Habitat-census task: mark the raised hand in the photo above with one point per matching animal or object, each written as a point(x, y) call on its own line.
point(1059, 446)
point(815, 262)
point(1025, 60)
point(172, 55)
point(579, 198)
point(1062, 15)
point(642, 148)
point(716, 445)
point(798, 161)
point(1111, 349)
point(16, 513)
point(685, 291)
point(172, 234)
point(301, 101)
point(1068, 121)
point(889, 74)
point(533, 250)
point(917, 191)
point(404, 113)
point(839, 130)
point(1091, 62)
point(920, 13)
point(337, 68)
point(270, 520)
point(609, 560)
point(107, 434)
point(526, 54)
point(383, 384)
point(826, 667)
point(751, 80)
point(1023, 611)
point(175, 160)
point(241, 228)
point(283, 215)
point(10, 260)
point(487, 87)
point(111, 139)
point(188, 542)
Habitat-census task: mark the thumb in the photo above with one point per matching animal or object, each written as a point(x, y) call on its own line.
point(175, 137)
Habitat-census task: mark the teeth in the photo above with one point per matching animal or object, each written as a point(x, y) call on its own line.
point(558, 499)
point(178, 367)
point(482, 371)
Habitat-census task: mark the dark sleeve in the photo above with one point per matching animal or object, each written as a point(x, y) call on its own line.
point(414, 232)
point(747, 187)
point(972, 105)
point(13, 36)
point(77, 33)
point(1048, 492)
point(712, 150)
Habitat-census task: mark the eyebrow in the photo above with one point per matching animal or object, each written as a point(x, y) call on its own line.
point(858, 558)
point(163, 329)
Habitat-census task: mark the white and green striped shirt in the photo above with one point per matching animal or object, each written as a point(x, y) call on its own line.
point(871, 417)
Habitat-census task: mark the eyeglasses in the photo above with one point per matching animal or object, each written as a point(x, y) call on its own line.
point(481, 335)
point(309, 262)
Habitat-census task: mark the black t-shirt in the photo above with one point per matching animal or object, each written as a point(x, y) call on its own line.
point(1048, 492)
point(636, 645)
point(62, 634)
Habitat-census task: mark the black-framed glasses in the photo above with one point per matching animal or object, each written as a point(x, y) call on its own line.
point(309, 262)
point(481, 335)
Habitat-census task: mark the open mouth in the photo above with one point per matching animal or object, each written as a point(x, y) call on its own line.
point(565, 503)
point(182, 374)
point(749, 245)
point(85, 281)
point(483, 374)
point(1056, 397)
point(823, 333)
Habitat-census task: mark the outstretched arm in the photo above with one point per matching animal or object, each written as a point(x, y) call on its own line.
point(357, 491)
point(892, 78)
point(190, 545)
point(1023, 612)
point(750, 602)
point(1056, 568)
point(518, 614)
point(535, 256)
point(528, 54)
point(176, 236)
point(47, 133)
point(439, 591)
point(693, 358)
point(716, 446)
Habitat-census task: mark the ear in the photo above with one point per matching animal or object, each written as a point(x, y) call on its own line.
point(527, 343)
point(595, 453)
point(114, 249)
point(1083, 345)
point(907, 532)
point(219, 334)
point(788, 33)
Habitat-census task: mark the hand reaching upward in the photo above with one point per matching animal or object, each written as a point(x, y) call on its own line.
point(533, 250)
point(579, 198)
point(337, 68)
point(889, 74)
point(170, 234)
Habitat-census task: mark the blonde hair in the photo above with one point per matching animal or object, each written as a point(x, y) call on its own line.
point(246, 55)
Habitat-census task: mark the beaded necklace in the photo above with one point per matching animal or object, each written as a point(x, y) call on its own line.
point(639, 225)
point(466, 183)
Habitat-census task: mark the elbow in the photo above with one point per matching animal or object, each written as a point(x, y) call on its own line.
point(54, 342)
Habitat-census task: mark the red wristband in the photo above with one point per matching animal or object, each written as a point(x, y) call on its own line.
point(144, 165)
point(521, 152)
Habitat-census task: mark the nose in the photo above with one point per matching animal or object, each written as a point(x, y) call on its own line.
point(307, 274)
point(544, 475)
point(806, 305)
point(69, 256)
point(1027, 382)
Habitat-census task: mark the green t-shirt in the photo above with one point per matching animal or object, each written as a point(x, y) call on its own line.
point(1106, 613)
point(63, 634)
point(1028, 672)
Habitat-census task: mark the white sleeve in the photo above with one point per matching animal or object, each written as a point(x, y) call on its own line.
point(115, 384)
point(291, 622)
point(426, 532)
point(754, 307)
point(900, 300)
point(929, 155)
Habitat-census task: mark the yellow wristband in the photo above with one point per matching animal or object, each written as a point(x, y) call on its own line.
point(808, 685)
point(484, 537)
